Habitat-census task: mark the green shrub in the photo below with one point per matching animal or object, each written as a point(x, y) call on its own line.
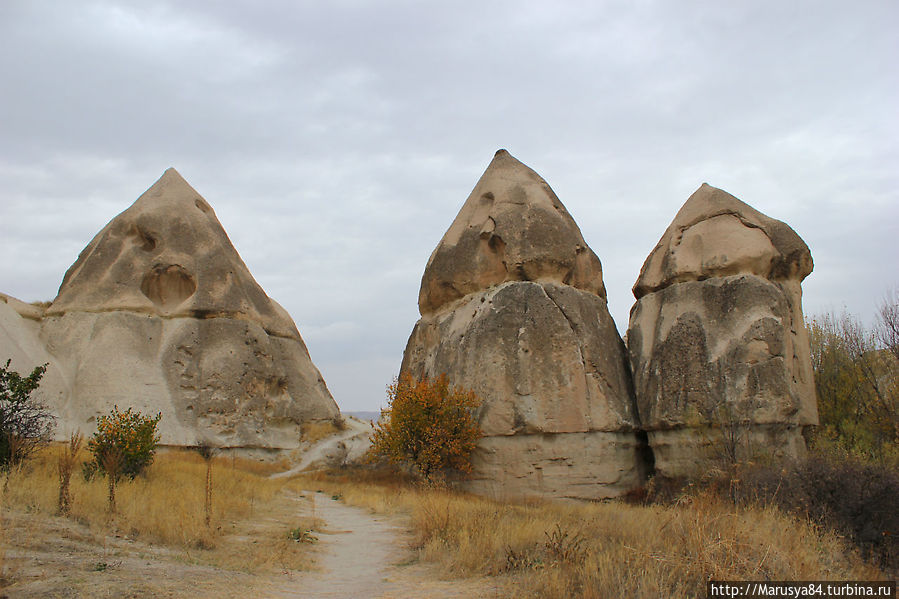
point(429, 425)
point(25, 423)
point(130, 436)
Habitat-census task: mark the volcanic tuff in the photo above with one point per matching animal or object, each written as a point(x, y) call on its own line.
point(717, 336)
point(160, 313)
point(513, 306)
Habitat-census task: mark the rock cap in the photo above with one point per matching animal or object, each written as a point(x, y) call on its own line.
point(512, 227)
point(168, 255)
point(715, 235)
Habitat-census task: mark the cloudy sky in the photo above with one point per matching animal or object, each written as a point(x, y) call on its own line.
point(337, 140)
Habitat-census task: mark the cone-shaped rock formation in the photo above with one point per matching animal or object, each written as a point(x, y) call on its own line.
point(717, 343)
point(159, 312)
point(513, 307)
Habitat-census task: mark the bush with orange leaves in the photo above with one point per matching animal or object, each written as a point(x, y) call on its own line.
point(128, 436)
point(427, 424)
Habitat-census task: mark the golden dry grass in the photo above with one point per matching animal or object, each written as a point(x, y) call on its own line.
point(316, 430)
point(251, 514)
point(3, 573)
point(608, 549)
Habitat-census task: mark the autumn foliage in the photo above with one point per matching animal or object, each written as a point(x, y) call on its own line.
point(428, 424)
point(129, 437)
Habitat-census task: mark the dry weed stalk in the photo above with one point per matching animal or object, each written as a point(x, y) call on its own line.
point(112, 459)
point(207, 452)
point(65, 465)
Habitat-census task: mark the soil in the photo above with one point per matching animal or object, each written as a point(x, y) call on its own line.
point(356, 555)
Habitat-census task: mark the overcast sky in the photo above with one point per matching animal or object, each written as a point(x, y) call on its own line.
point(337, 140)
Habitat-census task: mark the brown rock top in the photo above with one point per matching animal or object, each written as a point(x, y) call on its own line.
point(715, 235)
point(168, 255)
point(511, 228)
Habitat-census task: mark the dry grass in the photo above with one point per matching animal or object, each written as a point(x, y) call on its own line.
point(3, 573)
point(608, 549)
point(251, 514)
point(316, 430)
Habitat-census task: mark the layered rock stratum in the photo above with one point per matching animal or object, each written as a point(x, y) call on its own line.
point(513, 307)
point(717, 343)
point(160, 313)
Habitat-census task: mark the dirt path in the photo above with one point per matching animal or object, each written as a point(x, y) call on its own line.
point(334, 450)
point(366, 556)
point(359, 555)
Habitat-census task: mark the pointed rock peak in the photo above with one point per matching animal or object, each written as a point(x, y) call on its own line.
point(511, 228)
point(171, 172)
point(714, 234)
point(170, 189)
point(507, 166)
point(171, 177)
point(167, 255)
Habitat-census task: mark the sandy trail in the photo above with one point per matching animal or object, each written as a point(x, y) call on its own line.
point(350, 443)
point(366, 556)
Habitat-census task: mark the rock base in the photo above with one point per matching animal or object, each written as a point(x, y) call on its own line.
point(692, 452)
point(592, 465)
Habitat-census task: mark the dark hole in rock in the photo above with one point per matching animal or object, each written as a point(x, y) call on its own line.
point(203, 206)
point(146, 239)
point(168, 285)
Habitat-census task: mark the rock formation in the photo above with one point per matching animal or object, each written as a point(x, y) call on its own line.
point(20, 326)
point(513, 306)
point(160, 313)
point(717, 343)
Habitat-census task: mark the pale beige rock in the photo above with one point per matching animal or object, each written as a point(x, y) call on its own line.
point(717, 335)
point(587, 465)
point(513, 307)
point(20, 343)
point(160, 313)
point(28, 311)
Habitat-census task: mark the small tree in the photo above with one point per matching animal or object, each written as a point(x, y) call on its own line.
point(428, 424)
point(25, 422)
point(128, 433)
point(887, 326)
point(857, 383)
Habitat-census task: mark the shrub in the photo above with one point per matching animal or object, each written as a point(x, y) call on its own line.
point(427, 424)
point(857, 383)
point(129, 436)
point(25, 422)
point(852, 497)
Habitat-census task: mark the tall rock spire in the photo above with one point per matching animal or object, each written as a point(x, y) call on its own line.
point(159, 312)
point(513, 307)
point(716, 339)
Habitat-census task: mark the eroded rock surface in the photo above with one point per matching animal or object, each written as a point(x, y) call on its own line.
point(717, 340)
point(513, 306)
point(160, 313)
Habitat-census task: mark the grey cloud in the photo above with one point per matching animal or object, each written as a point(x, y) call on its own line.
point(336, 141)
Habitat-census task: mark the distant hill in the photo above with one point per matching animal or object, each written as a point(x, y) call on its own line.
point(365, 416)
